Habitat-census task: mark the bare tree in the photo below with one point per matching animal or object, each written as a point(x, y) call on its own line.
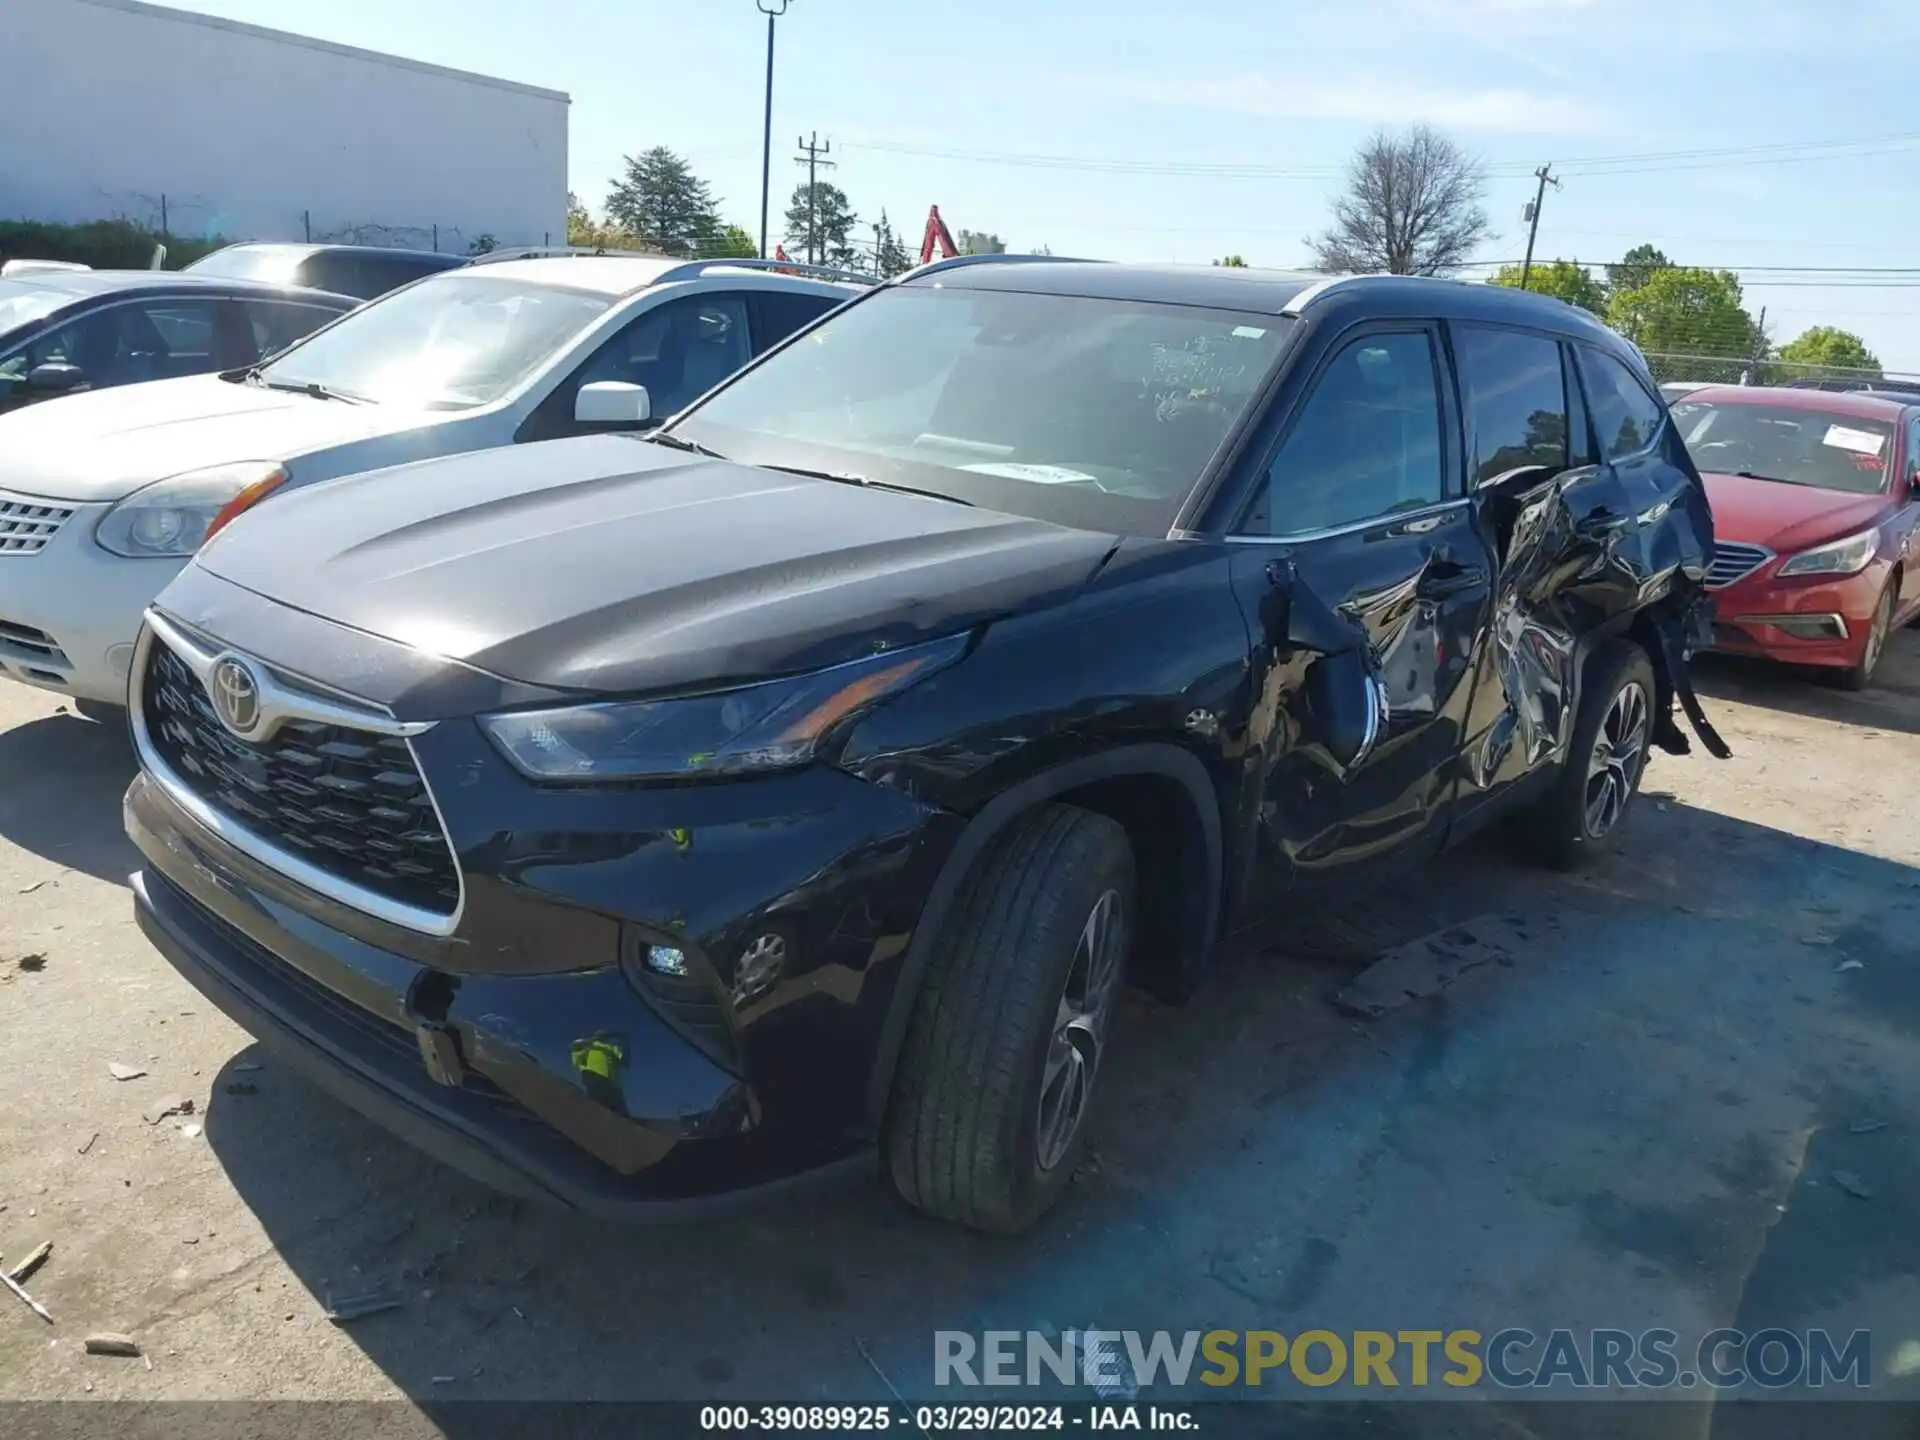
point(1411, 207)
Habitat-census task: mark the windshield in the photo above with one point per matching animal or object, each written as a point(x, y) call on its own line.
point(22, 303)
point(447, 343)
point(1796, 447)
point(1097, 413)
point(267, 263)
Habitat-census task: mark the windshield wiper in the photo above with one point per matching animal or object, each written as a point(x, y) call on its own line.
point(1755, 475)
point(315, 389)
point(847, 477)
point(678, 442)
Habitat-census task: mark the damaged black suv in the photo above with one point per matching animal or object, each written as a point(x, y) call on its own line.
point(641, 821)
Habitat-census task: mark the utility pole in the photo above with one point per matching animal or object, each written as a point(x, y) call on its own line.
point(812, 149)
point(1751, 375)
point(1545, 175)
point(773, 10)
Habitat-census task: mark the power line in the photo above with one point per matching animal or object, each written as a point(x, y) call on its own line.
point(1646, 162)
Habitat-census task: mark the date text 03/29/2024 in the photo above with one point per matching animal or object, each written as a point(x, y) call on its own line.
point(949, 1419)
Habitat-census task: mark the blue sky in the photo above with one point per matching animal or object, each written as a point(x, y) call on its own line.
point(1129, 91)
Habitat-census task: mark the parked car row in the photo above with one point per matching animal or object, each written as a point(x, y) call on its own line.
point(715, 728)
point(110, 492)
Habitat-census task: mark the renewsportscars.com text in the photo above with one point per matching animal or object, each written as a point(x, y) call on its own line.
point(1115, 1361)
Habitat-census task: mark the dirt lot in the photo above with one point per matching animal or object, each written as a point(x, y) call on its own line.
point(1635, 1125)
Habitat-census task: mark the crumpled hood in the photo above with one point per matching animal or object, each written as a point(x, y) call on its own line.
point(609, 565)
point(105, 444)
point(1787, 517)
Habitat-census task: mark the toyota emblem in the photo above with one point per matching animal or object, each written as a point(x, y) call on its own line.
point(235, 693)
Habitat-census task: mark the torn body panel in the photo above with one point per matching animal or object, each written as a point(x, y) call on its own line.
point(1592, 553)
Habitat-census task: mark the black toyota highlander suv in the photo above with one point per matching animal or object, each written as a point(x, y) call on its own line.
point(639, 822)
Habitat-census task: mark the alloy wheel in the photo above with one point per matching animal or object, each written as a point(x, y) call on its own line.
point(1618, 751)
point(1080, 1024)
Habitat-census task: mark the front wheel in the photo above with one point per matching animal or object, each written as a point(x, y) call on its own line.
point(1860, 676)
point(1583, 812)
point(1010, 1030)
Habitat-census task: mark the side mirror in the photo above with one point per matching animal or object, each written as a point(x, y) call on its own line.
point(56, 378)
point(1348, 704)
point(1346, 698)
point(612, 402)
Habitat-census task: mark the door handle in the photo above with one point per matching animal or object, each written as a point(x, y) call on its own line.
point(1444, 576)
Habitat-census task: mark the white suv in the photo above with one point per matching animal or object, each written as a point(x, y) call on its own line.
point(105, 496)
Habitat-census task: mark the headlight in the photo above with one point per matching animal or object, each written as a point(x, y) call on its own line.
point(1841, 557)
point(176, 517)
point(726, 732)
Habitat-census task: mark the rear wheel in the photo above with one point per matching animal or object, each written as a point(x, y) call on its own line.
point(1010, 1030)
point(1860, 676)
point(1583, 812)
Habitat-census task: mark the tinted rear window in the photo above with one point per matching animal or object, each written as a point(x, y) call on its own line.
point(1516, 397)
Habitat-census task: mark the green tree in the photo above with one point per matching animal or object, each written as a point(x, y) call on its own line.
point(731, 242)
point(1825, 346)
point(890, 255)
point(1561, 279)
point(585, 231)
point(664, 204)
point(1682, 311)
point(1232, 262)
point(824, 227)
point(1636, 267)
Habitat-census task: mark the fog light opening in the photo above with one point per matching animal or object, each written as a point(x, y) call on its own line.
point(665, 960)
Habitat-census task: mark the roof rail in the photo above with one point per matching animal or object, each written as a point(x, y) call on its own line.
point(1313, 292)
point(694, 269)
point(955, 262)
point(561, 252)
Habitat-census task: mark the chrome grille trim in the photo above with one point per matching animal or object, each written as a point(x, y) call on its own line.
point(1733, 561)
point(198, 658)
point(27, 523)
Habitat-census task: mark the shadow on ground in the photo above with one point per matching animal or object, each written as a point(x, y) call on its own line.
point(1633, 1127)
point(61, 779)
point(1891, 703)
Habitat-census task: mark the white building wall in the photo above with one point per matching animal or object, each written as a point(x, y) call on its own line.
point(248, 133)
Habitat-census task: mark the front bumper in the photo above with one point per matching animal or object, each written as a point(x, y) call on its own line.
point(70, 611)
point(669, 1134)
point(1810, 621)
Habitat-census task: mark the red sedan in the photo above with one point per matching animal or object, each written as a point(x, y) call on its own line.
point(1816, 503)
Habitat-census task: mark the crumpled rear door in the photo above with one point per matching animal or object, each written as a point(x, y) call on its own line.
point(1583, 548)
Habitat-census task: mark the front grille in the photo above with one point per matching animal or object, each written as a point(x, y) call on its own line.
point(350, 802)
point(26, 525)
point(23, 642)
point(1732, 561)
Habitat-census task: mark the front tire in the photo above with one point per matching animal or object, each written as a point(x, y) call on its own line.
point(1860, 676)
point(1009, 1032)
point(1583, 813)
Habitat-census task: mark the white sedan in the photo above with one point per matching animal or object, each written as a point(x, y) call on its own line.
point(105, 496)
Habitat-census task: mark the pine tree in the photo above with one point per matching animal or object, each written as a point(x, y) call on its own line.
point(890, 256)
point(832, 219)
point(663, 202)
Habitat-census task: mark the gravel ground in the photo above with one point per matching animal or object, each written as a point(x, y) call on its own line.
point(1634, 1123)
